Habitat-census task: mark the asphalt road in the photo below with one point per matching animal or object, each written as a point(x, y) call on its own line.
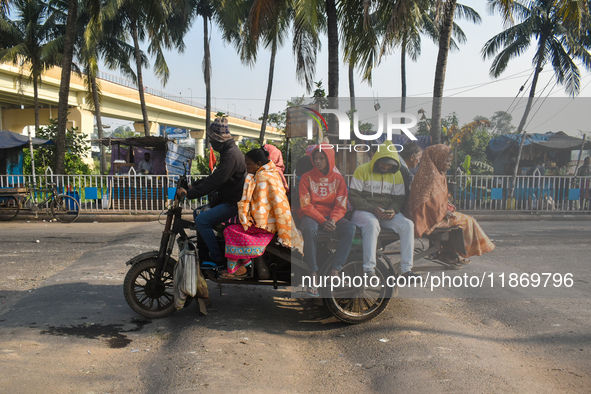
point(65, 326)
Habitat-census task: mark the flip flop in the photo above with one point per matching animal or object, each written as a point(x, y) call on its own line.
point(312, 291)
point(210, 265)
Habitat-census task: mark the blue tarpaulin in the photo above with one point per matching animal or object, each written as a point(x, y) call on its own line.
point(11, 151)
point(8, 140)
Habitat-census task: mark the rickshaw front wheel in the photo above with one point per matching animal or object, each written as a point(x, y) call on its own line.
point(147, 295)
point(357, 301)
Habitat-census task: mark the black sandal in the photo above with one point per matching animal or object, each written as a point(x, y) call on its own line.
point(451, 258)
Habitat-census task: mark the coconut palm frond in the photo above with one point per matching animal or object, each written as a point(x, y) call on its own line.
point(504, 8)
point(504, 38)
point(467, 13)
point(515, 49)
point(305, 47)
point(160, 67)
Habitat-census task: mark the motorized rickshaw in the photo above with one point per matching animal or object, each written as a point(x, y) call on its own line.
point(149, 283)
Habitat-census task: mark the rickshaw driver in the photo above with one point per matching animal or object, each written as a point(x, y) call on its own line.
point(228, 180)
point(378, 192)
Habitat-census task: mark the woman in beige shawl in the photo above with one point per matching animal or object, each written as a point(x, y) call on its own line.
point(428, 204)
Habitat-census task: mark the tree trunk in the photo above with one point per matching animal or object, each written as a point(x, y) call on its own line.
point(269, 90)
point(521, 129)
point(403, 77)
point(444, 40)
point(99, 122)
point(206, 76)
point(333, 64)
point(351, 161)
point(140, 78)
point(333, 49)
point(352, 88)
point(62, 108)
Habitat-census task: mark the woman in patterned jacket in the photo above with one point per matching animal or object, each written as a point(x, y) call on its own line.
point(263, 212)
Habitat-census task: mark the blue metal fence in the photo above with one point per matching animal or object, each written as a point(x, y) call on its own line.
point(152, 193)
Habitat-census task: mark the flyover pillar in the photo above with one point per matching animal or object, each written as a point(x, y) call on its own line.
point(198, 136)
point(154, 128)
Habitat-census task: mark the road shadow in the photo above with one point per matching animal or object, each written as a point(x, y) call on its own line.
point(100, 311)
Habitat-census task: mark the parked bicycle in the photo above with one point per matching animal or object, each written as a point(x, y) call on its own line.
point(63, 208)
point(9, 202)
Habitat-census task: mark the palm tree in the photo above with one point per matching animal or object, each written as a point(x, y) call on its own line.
point(205, 9)
point(103, 38)
point(360, 36)
point(446, 24)
point(557, 28)
point(267, 21)
point(332, 31)
point(62, 107)
point(32, 38)
point(162, 23)
point(372, 30)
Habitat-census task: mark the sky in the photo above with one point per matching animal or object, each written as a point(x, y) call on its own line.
point(240, 90)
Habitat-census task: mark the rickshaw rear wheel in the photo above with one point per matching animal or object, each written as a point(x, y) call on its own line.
point(357, 304)
point(9, 208)
point(147, 295)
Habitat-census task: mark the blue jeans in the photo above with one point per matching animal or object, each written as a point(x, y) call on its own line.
point(345, 233)
point(206, 221)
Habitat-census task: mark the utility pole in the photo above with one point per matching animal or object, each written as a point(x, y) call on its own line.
point(580, 152)
point(32, 157)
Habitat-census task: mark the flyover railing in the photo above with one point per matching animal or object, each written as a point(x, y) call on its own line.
point(135, 194)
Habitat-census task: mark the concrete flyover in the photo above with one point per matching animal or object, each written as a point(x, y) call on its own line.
point(120, 100)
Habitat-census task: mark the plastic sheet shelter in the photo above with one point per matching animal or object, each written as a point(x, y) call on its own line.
point(11, 151)
point(553, 148)
point(167, 156)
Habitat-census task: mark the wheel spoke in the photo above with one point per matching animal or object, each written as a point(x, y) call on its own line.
point(350, 302)
point(355, 304)
point(349, 292)
point(65, 208)
point(146, 278)
point(150, 295)
point(367, 304)
point(142, 300)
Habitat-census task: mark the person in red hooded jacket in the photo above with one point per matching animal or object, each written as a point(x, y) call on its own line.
point(323, 204)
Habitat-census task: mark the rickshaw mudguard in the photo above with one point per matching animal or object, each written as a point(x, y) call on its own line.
point(146, 256)
point(389, 264)
point(142, 257)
